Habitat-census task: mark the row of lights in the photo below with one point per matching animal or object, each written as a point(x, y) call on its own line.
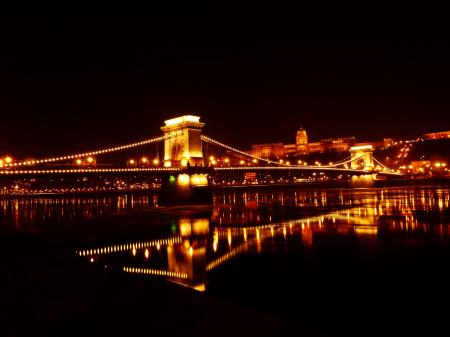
point(142, 161)
point(86, 154)
point(156, 272)
point(128, 246)
point(117, 170)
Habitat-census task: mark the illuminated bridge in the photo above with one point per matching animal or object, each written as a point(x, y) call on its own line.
point(185, 154)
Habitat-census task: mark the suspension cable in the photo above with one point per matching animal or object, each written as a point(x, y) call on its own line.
point(86, 154)
point(215, 142)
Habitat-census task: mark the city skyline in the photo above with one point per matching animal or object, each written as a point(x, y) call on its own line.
point(96, 82)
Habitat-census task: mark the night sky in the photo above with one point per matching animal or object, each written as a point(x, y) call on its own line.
point(82, 83)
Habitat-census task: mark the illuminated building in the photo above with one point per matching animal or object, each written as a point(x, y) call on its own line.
point(290, 149)
point(388, 142)
point(341, 144)
point(420, 166)
point(437, 135)
point(183, 144)
point(301, 141)
point(270, 150)
point(302, 147)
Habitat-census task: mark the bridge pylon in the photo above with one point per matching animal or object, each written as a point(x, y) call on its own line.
point(183, 144)
point(362, 157)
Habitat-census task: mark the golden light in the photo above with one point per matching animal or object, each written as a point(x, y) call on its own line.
point(281, 161)
point(288, 163)
point(131, 162)
point(299, 162)
point(226, 160)
point(213, 162)
point(90, 160)
point(211, 158)
point(79, 162)
point(144, 160)
point(183, 179)
point(155, 161)
point(254, 161)
point(146, 253)
point(8, 160)
point(437, 164)
point(199, 180)
point(242, 162)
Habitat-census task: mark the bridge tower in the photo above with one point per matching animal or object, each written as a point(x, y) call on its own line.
point(362, 156)
point(184, 144)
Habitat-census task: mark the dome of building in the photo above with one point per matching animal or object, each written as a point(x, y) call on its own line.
point(302, 137)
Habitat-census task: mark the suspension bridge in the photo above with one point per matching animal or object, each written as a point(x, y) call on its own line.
point(184, 156)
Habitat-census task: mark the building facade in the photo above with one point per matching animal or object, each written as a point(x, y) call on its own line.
point(437, 135)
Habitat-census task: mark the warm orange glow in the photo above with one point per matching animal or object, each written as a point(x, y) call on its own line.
point(254, 161)
point(179, 120)
point(144, 160)
point(131, 162)
point(226, 160)
point(79, 162)
point(199, 180)
point(242, 162)
point(90, 160)
point(155, 161)
point(211, 158)
point(8, 160)
point(183, 179)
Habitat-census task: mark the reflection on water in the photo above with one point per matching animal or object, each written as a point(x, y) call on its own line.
point(184, 247)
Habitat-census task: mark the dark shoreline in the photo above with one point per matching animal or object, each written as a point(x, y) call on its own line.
point(419, 182)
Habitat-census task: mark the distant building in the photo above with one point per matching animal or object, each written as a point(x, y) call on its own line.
point(420, 166)
point(270, 150)
point(342, 144)
point(301, 141)
point(437, 135)
point(290, 149)
point(388, 142)
point(303, 147)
